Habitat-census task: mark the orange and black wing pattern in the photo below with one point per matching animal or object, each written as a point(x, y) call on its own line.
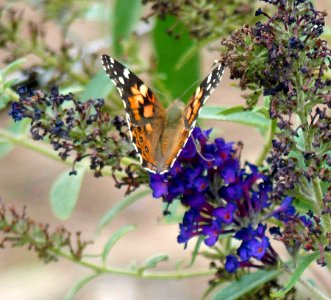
point(201, 95)
point(145, 114)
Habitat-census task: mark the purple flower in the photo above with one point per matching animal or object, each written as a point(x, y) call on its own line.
point(17, 111)
point(201, 184)
point(225, 213)
point(259, 248)
point(212, 232)
point(158, 186)
point(231, 264)
point(245, 251)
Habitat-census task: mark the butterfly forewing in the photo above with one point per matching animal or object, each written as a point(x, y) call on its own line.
point(145, 114)
point(201, 95)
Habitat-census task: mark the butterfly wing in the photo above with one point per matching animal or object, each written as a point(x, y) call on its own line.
point(145, 114)
point(201, 95)
point(190, 114)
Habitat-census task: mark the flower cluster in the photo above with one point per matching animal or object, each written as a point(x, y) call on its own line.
point(204, 19)
point(286, 59)
point(81, 129)
point(222, 199)
point(19, 230)
point(291, 71)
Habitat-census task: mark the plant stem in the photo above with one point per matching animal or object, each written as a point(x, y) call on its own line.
point(134, 272)
point(316, 186)
point(268, 144)
point(22, 141)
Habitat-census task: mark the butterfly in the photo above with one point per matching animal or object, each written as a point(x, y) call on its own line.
point(158, 134)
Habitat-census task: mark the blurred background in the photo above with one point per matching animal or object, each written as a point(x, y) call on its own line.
point(27, 177)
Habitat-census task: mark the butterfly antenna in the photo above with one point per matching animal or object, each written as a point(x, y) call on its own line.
point(181, 96)
point(198, 147)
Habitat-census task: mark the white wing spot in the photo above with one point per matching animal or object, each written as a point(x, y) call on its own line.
point(197, 91)
point(121, 80)
point(143, 90)
point(126, 73)
point(124, 103)
point(208, 87)
point(120, 91)
point(113, 81)
point(115, 72)
point(111, 60)
point(209, 77)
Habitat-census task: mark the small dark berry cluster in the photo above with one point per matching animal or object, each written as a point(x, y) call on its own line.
point(80, 129)
point(203, 19)
point(286, 59)
point(19, 230)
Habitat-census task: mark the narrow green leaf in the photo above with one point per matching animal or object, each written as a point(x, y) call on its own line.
point(250, 118)
point(233, 109)
point(302, 265)
point(152, 262)
point(245, 284)
point(65, 192)
point(75, 289)
point(114, 239)
point(125, 16)
point(196, 250)
point(169, 52)
point(121, 205)
point(302, 205)
point(13, 66)
point(98, 87)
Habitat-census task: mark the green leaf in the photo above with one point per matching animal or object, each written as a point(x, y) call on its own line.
point(65, 192)
point(302, 265)
point(302, 205)
point(169, 52)
point(246, 117)
point(196, 250)
point(175, 211)
point(121, 205)
point(232, 110)
point(245, 284)
point(98, 87)
point(152, 262)
point(125, 16)
point(75, 289)
point(114, 239)
point(13, 66)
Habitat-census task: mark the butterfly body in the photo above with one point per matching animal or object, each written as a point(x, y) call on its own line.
point(158, 134)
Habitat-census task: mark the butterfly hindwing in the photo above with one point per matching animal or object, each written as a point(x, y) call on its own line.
point(201, 95)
